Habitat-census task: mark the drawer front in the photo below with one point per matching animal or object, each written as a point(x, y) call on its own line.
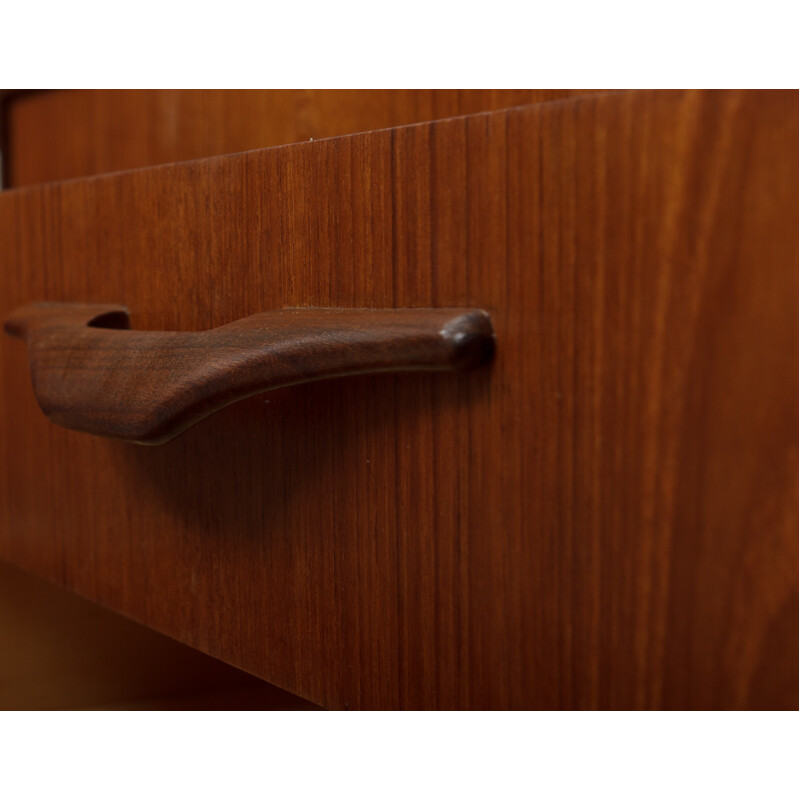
point(603, 517)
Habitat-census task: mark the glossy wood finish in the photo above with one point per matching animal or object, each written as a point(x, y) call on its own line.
point(91, 374)
point(609, 520)
point(70, 134)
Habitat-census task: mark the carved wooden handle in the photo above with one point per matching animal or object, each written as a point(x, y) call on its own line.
point(92, 374)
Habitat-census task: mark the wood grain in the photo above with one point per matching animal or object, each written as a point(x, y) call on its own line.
point(608, 521)
point(56, 135)
point(91, 374)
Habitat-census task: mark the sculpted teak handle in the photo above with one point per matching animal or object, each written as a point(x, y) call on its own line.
point(90, 373)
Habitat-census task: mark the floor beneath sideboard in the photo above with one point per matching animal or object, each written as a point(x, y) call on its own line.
point(58, 652)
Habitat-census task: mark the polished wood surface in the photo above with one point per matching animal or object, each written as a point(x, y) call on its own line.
point(56, 135)
point(91, 374)
point(608, 520)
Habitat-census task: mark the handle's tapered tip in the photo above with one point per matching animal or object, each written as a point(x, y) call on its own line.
point(472, 339)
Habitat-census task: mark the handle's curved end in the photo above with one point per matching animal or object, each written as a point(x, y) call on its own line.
point(24, 321)
point(16, 326)
point(91, 375)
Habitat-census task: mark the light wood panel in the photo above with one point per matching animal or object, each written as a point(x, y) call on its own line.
point(606, 518)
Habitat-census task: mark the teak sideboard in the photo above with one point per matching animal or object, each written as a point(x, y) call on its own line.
point(600, 513)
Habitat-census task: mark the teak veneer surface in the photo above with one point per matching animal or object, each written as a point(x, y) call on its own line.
point(606, 517)
point(54, 135)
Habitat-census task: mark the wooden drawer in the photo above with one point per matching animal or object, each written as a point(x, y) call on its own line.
point(603, 517)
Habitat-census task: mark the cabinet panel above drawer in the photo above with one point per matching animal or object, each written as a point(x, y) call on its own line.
point(54, 135)
point(603, 517)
